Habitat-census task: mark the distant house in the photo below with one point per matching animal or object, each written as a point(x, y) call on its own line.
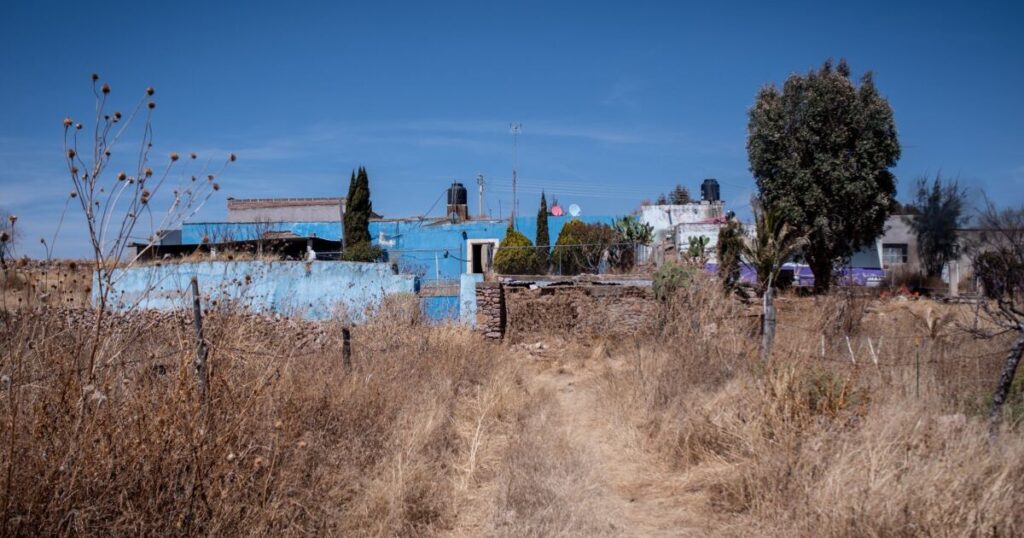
point(899, 251)
point(286, 209)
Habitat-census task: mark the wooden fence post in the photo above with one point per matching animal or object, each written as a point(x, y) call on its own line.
point(346, 348)
point(202, 371)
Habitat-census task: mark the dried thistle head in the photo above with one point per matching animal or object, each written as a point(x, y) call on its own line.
point(144, 197)
point(67, 122)
point(117, 116)
point(95, 77)
point(73, 194)
point(192, 155)
point(13, 218)
point(106, 153)
point(122, 176)
point(106, 88)
point(149, 172)
point(4, 237)
point(150, 91)
point(209, 177)
point(78, 126)
point(174, 156)
point(216, 186)
point(71, 154)
point(151, 105)
point(232, 157)
point(74, 170)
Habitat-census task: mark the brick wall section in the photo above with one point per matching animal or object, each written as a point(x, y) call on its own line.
point(589, 310)
point(490, 310)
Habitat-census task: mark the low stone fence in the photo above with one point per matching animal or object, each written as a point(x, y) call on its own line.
point(588, 306)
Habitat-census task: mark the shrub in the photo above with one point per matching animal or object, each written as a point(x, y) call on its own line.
point(515, 255)
point(581, 246)
point(669, 278)
point(362, 252)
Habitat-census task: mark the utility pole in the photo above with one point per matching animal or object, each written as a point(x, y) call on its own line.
point(480, 184)
point(516, 129)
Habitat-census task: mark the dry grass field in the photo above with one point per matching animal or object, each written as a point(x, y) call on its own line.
point(868, 420)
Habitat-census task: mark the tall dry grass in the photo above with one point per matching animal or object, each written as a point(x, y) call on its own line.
point(868, 420)
point(818, 444)
point(290, 443)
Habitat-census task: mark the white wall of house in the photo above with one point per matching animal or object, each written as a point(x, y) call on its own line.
point(685, 231)
point(664, 218)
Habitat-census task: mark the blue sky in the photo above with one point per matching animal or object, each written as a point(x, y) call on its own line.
point(618, 101)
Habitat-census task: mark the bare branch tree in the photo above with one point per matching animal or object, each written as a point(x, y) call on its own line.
point(113, 204)
point(999, 265)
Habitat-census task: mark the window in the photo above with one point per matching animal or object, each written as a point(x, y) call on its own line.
point(894, 253)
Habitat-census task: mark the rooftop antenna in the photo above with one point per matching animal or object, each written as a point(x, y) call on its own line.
point(516, 128)
point(480, 183)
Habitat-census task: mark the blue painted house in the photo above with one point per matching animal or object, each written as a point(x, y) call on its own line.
point(436, 250)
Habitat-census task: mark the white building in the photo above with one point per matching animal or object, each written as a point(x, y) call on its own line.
point(675, 224)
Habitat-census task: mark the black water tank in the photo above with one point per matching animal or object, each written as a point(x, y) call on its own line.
point(709, 191)
point(457, 194)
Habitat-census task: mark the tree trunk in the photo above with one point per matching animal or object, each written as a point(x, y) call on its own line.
point(768, 323)
point(822, 270)
point(1006, 381)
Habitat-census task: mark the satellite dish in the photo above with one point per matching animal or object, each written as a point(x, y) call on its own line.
point(574, 210)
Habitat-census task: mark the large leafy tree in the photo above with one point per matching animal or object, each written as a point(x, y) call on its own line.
point(581, 247)
point(358, 209)
point(543, 237)
point(821, 149)
point(938, 211)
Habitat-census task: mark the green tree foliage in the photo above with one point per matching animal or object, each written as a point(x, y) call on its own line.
point(358, 209)
point(679, 195)
point(581, 247)
point(938, 215)
point(516, 255)
point(543, 237)
point(730, 252)
point(362, 252)
point(820, 150)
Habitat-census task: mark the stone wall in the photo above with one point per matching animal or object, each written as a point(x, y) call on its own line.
point(490, 310)
point(587, 307)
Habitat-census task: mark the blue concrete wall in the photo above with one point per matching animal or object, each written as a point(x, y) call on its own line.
point(467, 299)
point(441, 308)
point(316, 290)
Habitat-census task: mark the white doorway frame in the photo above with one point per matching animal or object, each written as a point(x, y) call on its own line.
point(470, 243)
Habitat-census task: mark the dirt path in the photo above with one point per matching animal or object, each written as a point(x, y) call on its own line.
point(637, 494)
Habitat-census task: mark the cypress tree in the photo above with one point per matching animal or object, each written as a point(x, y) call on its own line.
point(543, 239)
point(358, 209)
